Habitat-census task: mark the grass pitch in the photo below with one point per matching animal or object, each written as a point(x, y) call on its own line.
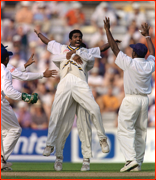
point(72, 171)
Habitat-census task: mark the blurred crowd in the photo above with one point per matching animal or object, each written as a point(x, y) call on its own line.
point(56, 19)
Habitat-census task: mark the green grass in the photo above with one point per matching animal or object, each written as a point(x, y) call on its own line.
point(75, 167)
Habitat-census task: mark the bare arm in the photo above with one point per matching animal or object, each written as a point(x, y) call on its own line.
point(145, 32)
point(110, 38)
point(107, 46)
point(42, 37)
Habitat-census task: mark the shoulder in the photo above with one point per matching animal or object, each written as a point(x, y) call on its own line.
point(151, 57)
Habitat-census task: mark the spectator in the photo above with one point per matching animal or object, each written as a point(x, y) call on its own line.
point(97, 37)
point(136, 15)
point(108, 102)
point(24, 15)
point(39, 118)
point(41, 14)
point(75, 15)
point(131, 34)
point(95, 80)
point(102, 11)
point(9, 31)
point(23, 115)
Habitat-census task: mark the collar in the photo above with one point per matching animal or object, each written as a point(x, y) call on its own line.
point(73, 48)
point(139, 59)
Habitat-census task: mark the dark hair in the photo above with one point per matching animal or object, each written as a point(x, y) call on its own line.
point(73, 32)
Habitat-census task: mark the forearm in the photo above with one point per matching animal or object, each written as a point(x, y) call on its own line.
point(43, 38)
point(112, 42)
point(150, 46)
point(104, 47)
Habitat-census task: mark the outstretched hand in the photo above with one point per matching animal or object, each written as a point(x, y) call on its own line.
point(145, 29)
point(30, 61)
point(106, 23)
point(49, 73)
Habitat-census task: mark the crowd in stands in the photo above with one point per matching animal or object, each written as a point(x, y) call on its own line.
point(56, 19)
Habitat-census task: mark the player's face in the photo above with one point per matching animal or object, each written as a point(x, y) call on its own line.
point(76, 40)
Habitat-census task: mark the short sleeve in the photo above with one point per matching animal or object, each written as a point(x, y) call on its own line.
point(95, 52)
point(54, 47)
point(151, 60)
point(123, 61)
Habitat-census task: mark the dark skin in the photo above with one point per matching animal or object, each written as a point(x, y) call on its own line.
point(114, 46)
point(76, 42)
point(145, 32)
point(6, 61)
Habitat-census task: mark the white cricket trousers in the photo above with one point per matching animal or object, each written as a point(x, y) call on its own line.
point(84, 131)
point(132, 127)
point(10, 129)
point(70, 89)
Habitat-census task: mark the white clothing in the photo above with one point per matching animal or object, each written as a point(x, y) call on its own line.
point(18, 73)
point(73, 89)
point(99, 15)
point(132, 127)
point(70, 66)
point(139, 18)
point(65, 96)
point(6, 86)
point(10, 126)
point(11, 129)
point(137, 73)
point(133, 113)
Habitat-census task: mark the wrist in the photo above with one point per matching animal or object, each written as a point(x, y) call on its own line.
point(25, 65)
point(38, 34)
point(148, 36)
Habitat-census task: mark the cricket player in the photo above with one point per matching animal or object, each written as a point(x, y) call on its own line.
point(79, 72)
point(133, 113)
point(10, 118)
point(10, 127)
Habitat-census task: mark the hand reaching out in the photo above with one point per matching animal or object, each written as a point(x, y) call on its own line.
point(30, 61)
point(49, 73)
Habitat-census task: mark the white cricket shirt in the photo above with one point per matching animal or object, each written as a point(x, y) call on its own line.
point(137, 73)
point(17, 73)
point(6, 86)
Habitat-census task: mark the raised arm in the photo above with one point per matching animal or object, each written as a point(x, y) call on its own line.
point(145, 32)
point(110, 38)
point(42, 37)
point(107, 46)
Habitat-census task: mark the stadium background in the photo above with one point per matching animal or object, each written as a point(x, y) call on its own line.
point(105, 79)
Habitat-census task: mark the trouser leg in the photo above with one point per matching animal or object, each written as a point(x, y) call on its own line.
point(141, 131)
point(11, 130)
point(82, 95)
point(61, 104)
point(84, 131)
point(128, 114)
point(65, 129)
